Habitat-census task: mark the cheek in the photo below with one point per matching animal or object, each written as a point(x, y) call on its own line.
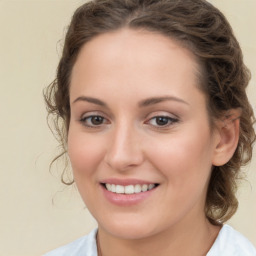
point(84, 153)
point(184, 159)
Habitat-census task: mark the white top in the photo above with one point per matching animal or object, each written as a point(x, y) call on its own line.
point(228, 243)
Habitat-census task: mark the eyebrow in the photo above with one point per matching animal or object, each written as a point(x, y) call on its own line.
point(143, 103)
point(155, 100)
point(90, 100)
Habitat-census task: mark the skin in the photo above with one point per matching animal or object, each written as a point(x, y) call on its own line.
point(122, 69)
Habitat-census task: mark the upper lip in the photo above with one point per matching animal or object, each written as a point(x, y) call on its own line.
point(125, 182)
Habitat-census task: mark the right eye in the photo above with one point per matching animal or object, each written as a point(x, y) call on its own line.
point(93, 121)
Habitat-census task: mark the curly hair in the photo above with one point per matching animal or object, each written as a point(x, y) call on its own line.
point(201, 28)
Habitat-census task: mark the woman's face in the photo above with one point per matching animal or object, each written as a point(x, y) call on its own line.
point(139, 122)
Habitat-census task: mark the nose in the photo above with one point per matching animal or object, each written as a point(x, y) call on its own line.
point(125, 148)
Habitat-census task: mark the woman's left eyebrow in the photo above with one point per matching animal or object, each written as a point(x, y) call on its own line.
point(155, 100)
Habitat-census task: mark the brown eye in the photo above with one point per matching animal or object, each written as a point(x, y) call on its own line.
point(93, 121)
point(97, 120)
point(162, 121)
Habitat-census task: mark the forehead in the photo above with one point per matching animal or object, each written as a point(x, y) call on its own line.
point(139, 61)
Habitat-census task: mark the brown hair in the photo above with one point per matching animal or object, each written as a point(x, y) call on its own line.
point(201, 28)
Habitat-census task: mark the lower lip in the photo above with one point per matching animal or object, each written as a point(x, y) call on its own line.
point(126, 199)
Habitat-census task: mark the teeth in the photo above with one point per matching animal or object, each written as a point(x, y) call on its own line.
point(137, 188)
point(113, 188)
point(109, 187)
point(151, 186)
point(119, 189)
point(144, 188)
point(130, 189)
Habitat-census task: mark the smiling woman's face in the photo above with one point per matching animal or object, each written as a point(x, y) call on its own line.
point(139, 122)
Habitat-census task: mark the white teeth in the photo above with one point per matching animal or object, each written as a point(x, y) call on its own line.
point(130, 189)
point(150, 186)
point(119, 189)
point(109, 186)
point(113, 188)
point(137, 188)
point(144, 188)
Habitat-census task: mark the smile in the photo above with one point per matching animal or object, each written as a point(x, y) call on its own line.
point(129, 189)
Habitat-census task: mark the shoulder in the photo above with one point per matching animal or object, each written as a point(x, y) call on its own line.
point(85, 246)
point(231, 243)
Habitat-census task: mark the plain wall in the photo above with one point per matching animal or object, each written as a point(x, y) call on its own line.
point(37, 212)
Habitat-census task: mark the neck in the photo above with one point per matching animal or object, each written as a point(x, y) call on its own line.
point(197, 237)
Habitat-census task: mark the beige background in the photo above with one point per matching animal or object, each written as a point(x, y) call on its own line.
point(37, 213)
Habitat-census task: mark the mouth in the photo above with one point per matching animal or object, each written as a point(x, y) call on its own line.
point(129, 189)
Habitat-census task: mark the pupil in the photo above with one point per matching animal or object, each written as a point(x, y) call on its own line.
point(96, 120)
point(162, 120)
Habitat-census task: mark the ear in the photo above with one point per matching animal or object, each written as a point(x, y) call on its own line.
point(228, 137)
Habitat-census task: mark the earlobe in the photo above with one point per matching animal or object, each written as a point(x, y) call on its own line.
point(228, 137)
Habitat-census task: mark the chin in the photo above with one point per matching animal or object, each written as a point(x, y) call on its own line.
point(129, 233)
point(131, 230)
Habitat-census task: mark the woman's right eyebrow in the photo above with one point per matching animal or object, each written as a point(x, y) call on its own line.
point(90, 100)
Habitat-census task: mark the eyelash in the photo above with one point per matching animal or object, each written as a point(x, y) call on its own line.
point(84, 119)
point(171, 121)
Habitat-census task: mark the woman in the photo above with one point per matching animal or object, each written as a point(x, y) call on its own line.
point(156, 124)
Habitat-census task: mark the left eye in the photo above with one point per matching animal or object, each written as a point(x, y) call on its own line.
point(162, 121)
point(93, 120)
